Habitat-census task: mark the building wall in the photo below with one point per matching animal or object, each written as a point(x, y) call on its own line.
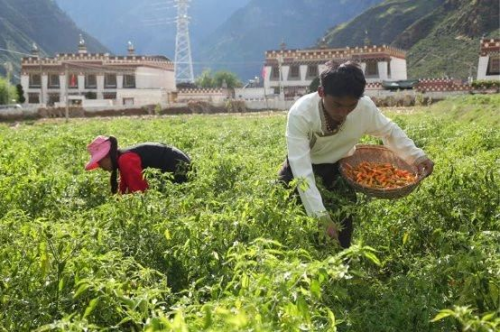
point(140, 97)
point(152, 80)
point(397, 72)
point(147, 78)
point(252, 93)
point(398, 69)
point(482, 69)
point(209, 95)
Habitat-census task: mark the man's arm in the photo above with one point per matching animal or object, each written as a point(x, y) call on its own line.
point(396, 139)
point(299, 158)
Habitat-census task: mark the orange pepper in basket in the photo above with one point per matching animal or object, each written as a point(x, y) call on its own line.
point(379, 175)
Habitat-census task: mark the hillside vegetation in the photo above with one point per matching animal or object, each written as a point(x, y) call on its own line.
point(24, 22)
point(442, 36)
point(232, 250)
point(239, 43)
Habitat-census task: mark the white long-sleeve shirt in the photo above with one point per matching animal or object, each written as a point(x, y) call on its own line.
point(308, 141)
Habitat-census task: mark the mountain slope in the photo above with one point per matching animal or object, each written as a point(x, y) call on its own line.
point(149, 24)
point(441, 36)
point(239, 44)
point(24, 22)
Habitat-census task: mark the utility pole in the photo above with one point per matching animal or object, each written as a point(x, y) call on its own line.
point(280, 84)
point(66, 91)
point(8, 69)
point(41, 81)
point(183, 61)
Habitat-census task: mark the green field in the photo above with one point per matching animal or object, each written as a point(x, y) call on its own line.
point(231, 250)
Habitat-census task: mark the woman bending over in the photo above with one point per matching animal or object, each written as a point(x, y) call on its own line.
point(132, 161)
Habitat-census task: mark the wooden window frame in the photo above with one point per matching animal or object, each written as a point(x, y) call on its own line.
point(493, 65)
point(129, 85)
point(294, 73)
point(51, 82)
point(70, 78)
point(32, 83)
point(368, 70)
point(106, 81)
point(275, 73)
point(312, 74)
point(87, 83)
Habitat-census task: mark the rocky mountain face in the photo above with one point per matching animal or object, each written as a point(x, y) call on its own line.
point(24, 22)
point(225, 34)
point(239, 44)
point(441, 36)
point(148, 24)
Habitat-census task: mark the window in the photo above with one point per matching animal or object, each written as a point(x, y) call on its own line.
point(128, 101)
point(73, 81)
point(53, 98)
point(90, 81)
point(90, 95)
point(129, 81)
point(388, 68)
point(33, 98)
point(371, 69)
point(109, 95)
point(312, 71)
point(493, 65)
point(53, 81)
point(110, 81)
point(275, 73)
point(294, 73)
point(35, 81)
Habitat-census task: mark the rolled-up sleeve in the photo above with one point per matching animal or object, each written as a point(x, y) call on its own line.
point(392, 136)
point(299, 157)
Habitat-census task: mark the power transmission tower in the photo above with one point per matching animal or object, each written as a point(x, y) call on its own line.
point(183, 60)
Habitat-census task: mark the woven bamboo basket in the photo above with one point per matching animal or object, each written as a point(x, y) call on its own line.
point(378, 154)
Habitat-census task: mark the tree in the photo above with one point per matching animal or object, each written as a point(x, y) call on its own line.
point(313, 87)
point(20, 93)
point(7, 92)
point(230, 78)
point(206, 80)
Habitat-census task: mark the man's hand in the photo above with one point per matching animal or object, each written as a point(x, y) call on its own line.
point(327, 226)
point(425, 166)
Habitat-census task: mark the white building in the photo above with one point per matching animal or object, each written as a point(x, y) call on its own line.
point(112, 80)
point(488, 67)
point(294, 70)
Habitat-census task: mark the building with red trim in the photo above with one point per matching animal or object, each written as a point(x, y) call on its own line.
point(488, 67)
point(293, 70)
point(114, 80)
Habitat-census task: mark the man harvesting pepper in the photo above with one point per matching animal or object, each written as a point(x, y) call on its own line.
point(324, 127)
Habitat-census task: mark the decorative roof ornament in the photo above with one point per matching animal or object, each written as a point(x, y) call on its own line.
point(82, 48)
point(131, 48)
point(82, 41)
point(367, 40)
point(34, 50)
point(283, 45)
point(323, 43)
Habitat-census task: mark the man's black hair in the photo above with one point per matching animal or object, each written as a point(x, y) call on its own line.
point(343, 80)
